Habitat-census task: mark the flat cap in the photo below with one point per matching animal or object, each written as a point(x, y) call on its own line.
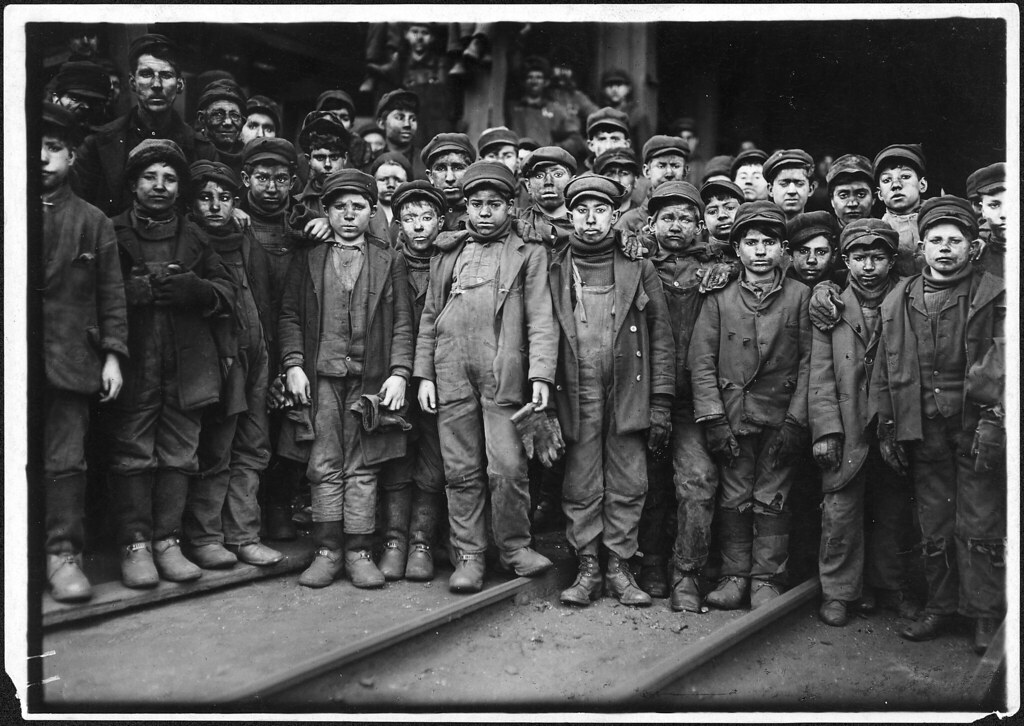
point(488, 173)
point(615, 75)
point(497, 136)
point(418, 190)
point(57, 119)
point(593, 185)
point(608, 116)
point(84, 78)
point(684, 123)
point(947, 208)
point(335, 99)
point(786, 158)
point(348, 180)
point(222, 90)
point(154, 44)
point(528, 143)
point(759, 212)
point(322, 123)
point(269, 148)
point(717, 166)
point(266, 106)
point(537, 63)
point(205, 78)
point(623, 156)
point(215, 171)
point(152, 151)
point(675, 192)
point(447, 143)
point(808, 225)
point(662, 144)
point(986, 180)
point(750, 157)
point(865, 232)
point(369, 128)
point(849, 165)
point(396, 158)
point(899, 154)
point(549, 155)
point(719, 188)
point(398, 98)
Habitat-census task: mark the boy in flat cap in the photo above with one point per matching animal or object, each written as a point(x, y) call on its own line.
point(790, 177)
point(866, 513)
point(665, 160)
point(718, 167)
point(220, 115)
point(82, 87)
point(986, 188)
point(262, 118)
point(446, 159)
point(851, 188)
point(487, 344)
point(178, 293)
point(616, 383)
point(722, 199)
point(83, 293)
point(899, 172)
point(938, 393)
point(499, 144)
point(686, 129)
point(324, 141)
point(813, 244)
point(346, 332)
point(747, 172)
point(620, 165)
point(607, 128)
point(749, 360)
point(547, 172)
point(390, 170)
point(397, 114)
point(234, 444)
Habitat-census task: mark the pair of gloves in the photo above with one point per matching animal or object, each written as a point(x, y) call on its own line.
point(987, 445)
point(540, 433)
point(176, 288)
point(785, 446)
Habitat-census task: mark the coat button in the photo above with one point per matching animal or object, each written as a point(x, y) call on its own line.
point(938, 390)
point(638, 378)
point(632, 328)
point(558, 388)
point(638, 354)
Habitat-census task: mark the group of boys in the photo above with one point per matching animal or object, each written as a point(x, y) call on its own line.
point(700, 347)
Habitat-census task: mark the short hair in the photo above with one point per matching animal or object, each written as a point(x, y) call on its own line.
point(677, 203)
point(326, 141)
point(506, 194)
point(765, 228)
point(463, 154)
point(160, 51)
point(425, 200)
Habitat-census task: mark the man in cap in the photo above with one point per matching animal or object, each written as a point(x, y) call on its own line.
point(446, 158)
point(790, 177)
point(534, 114)
point(262, 118)
point(686, 129)
point(722, 199)
point(563, 90)
point(899, 172)
point(747, 172)
point(324, 141)
point(814, 248)
point(986, 188)
point(665, 160)
point(179, 294)
point(850, 188)
point(339, 103)
point(610, 309)
point(547, 172)
point(499, 144)
point(220, 115)
point(607, 128)
point(155, 80)
point(620, 165)
point(423, 70)
point(858, 562)
point(337, 346)
point(82, 87)
point(82, 292)
point(390, 170)
point(938, 392)
point(617, 92)
point(480, 350)
point(753, 406)
point(397, 114)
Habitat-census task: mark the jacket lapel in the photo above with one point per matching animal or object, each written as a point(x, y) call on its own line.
point(627, 279)
point(560, 279)
point(316, 258)
point(511, 263)
point(378, 262)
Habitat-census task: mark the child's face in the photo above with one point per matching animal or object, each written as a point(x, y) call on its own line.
point(759, 253)
point(444, 173)
point(667, 167)
point(750, 179)
point(156, 189)
point(257, 126)
point(375, 141)
point(487, 209)
point(946, 249)
point(349, 215)
point(813, 260)
point(323, 161)
point(624, 175)
point(535, 83)
point(399, 126)
point(57, 160)
point(790, 190)
point(616, 92)
point(389, 177)
point(992, 210)
point(851, 200)
point(676, 226)
point(418, 37)
point(718, 216)
point(269, 184)
point(505, 154)
point(592, 218)
point(900, 189)
point(547, 184)
point(604, 139)
point(214, 205)
point(869, 266)
point(421, 224)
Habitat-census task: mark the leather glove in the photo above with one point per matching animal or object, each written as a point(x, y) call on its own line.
point(893, 452)
point(715, 277)
point(825, 306)
point(529, 233)
point(989, 445)
point(828, 452)
point(138, 288)
point(548, 442)
point(789, 441)
point(661, 429)
point(721, 441)
point(185, 291)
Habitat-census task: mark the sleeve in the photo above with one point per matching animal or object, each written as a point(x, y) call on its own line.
point(423, 366)
point(111, 309)
point(86, 174)
point(541, 330)
point(659, 325)
point(402, 347)
point(798, 403)
point(823, 398)
point(289, 324)
point(702, 360)
point(222, 315)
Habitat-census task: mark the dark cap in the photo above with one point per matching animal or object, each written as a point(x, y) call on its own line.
point(322, 123)
point(684, 123)
point(488, 173)
point(549, 155)
point(719, 188)
point(369, 128)
point(348, 180)
point(497, 136)
point(759, 212)
point(269, 148)
point(808, 225)
point(222, 90)
point(717, 166)
point(335, 98)
point(849, 165)
point(623, 155)
point(747, 158)
point(61, 122)
point(785, 158)
point(84, 78)
point(865, 232)
point(216, 171)
point(593, 185)
point(662, 144)
point(264, 105)
point(608, 116)
point(615, 75)
point(911, 155)
point(674, 192)
point(398, 98)
point(987, 179)
point(947, 208)
point(446, 143)
point(418, 190)
point(537, 63)
point(151, 151)
point(154, 44)
point(392, 157)
point(528, 143)
point(205, 78)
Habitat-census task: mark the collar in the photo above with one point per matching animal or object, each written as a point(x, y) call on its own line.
point(56, 196)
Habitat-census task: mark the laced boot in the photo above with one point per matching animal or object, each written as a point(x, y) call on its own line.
point(469, 573)
point(329, 561)
point(359, 563)
point(587, 585)
point(67, 581)
point(619, 583)
point(426, 509)
point(137, 567)
point(397, 506)
point(171, 563)
point(685, 593)
point(652, 579)
point(770, 555)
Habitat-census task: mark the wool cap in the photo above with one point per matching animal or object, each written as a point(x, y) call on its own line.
point(332, 99)
point(865, 232)
point(719, 188)
point(84, 78)
point(684, 123)
point(266, 106)
point(623, 156)
point(348, 180)
point(615, 75)
point(270, 148)
point(747, 158)
point(593, 185)
point(759, 212)
point(398, 98)
point(216, 171)
point(675, 192)
point(528, 143)
point(392, 157)
point(717, 166)
point(662, 144)
point(322, 123)
point(910, 154)
point(784, 158)
point(489, 173)
point(369, 128)
point(61, 122)
point(222, 90)
point(154, 44)
point(497, 136)
point(986, 180)
point(447, 143)
point(418, 190)
point(947, 208)
point(547, 155)
point(608, 116)
point(853, 165)
point(808, 225)
point(151, 151)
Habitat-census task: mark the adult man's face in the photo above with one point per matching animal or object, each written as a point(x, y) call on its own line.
point(946, 249)
point(84, 43)
point(690, 138)
point(388, 178)
point(155, 84)
point(592, 218)
point(616, 92)
point(869, 266)
point(993, 211)
point(214, 205)
point(421, 225)
point(664, 168)
point(487, 209)
point(56, 161)
point(504, 153)
point(623, 174)
point(750, 179)
point(676, 226)
point(546, 183)
point(257, 126)
point(115, 89)
point(900, 189)
point(322, 161)
point(719, 214)
point(790, 190)
point(399, 127)
point(269, 184)
point(813, 260)
point(222, 120)
point(444, 173)
point(604, 139)
point(852, 200)
point(349, 215)
point(156, 189)
point(418, 37)
point(535, 83)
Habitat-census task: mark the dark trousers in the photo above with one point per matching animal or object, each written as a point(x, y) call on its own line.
point(422, 463)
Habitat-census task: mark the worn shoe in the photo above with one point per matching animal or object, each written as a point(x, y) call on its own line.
point(393, 561)
point(587, 585)
point(325, 568)
point(256, 553)
point(763, 592)
point(652, 578)
point(729, 594)
point(212, 556)
point(280, 526)
point(686, 595)
point(833, 612)
point(67, 581)
point(137, 568)
point(619, 583)
point(468, 575)
point(525, 562)
point(361, 570)
point(419, 566)
point(171, 563)
point(984, 631)
point(899, 602)
point(929, 626)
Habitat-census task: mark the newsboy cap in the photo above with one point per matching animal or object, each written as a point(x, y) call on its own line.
point(808, 225)
point(865, 232)
point(986, 180)
point(322, 123)
point(759, 212)
point(215, 171)
point(717, 166)
point(84, 78)
point(549, 155)
point(488, 173)
point(720, 188)
point(392, 157)
point(269, 148)
point(497, 136)
point(265, 105)
point(615, 75)
point(60, 122)
point(622, 155)
point(785, 158)
point(593, 185)
point(447, 143)
point(154, 44)
point(674, 192)
point(661, 144)
point(608, 116)
point(896, 154)
point(747, 158)
point(947, 208)
point(151, 151)
point(222, 90)
point(348, 180)
point(398, 98)
point(418, 190)
point(852, 165)
point(332, 99)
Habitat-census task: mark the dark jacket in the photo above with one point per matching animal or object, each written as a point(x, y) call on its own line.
point(644, 348)
point(389, 337)
point(84, 315)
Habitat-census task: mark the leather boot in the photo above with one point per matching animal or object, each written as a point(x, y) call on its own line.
point(525, 562)
point(730, 593)
point(587, 585)
point(397, 507)
point(329, 561)
point(930, 626)
point(685, 593)
point(769, 551)
point(212, 556)
point(619, 583)
point(652, 578)
point(171, 563)
point(833, 612)
point(280, 526)
point(67, 581)
point(137, 567)
point(468, 575)
point(735, 536)
point(426, 510)
point(763, 592)
point(359, 563)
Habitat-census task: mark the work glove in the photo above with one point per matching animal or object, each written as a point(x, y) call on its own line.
point(185, 291)
point(636, 246)
point(715, 277)
point(721, 441)
point(530, 233)
point(138, 288)
point(660, 431)
point(989, 444)
point(276, 396)
point(893, 452)
point(825, 306)
point(376, 418)
point(789, 441)
point(828, 451)
point(540, 433)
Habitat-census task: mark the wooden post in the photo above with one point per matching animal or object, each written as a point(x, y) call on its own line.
point(484, 104)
